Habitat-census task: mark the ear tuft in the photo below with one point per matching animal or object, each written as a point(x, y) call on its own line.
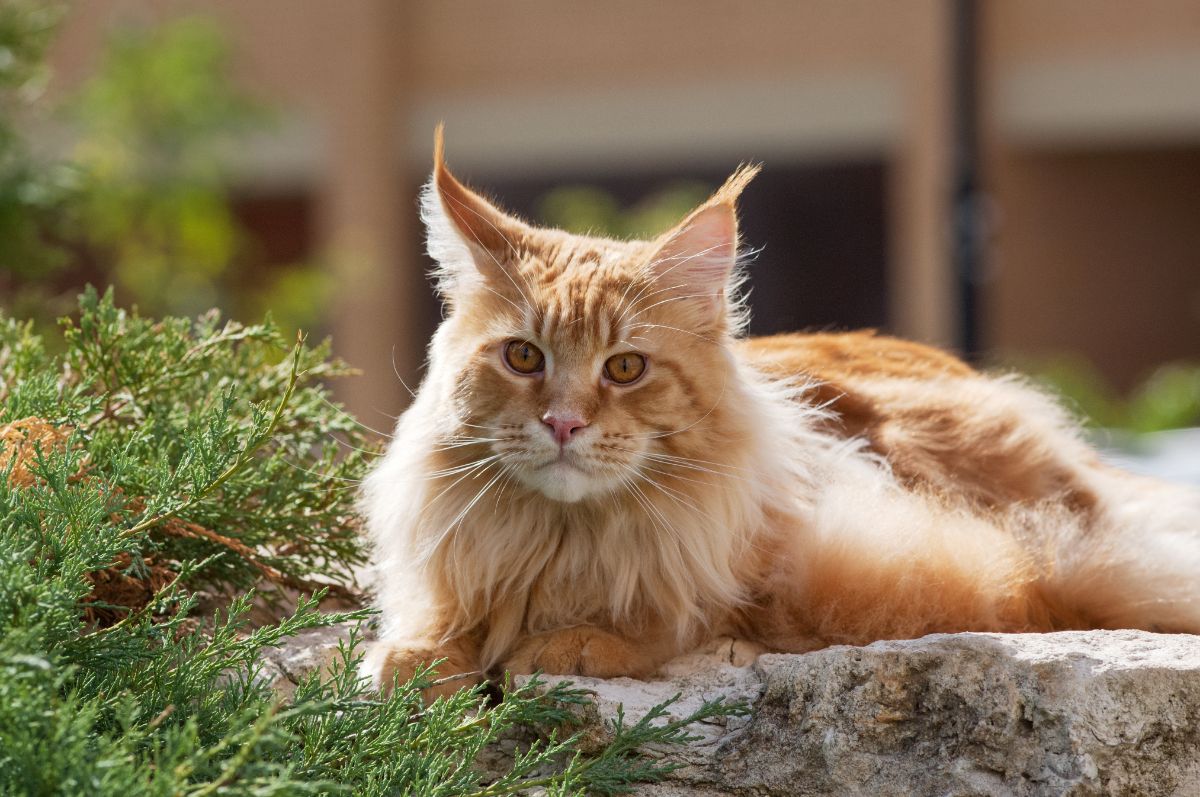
point(736, 183)
point(695, 262)
point(480, 222)
point(439, 147)
point(468, 236)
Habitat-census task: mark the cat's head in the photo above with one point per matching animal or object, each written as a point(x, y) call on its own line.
point(581, 363)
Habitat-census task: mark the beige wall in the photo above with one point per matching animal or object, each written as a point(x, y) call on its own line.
point(1099, 253)
point(1093, 165)
point(1028, 30)
point(539, 84)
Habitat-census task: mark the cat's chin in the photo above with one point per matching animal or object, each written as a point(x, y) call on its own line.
point(566, 483)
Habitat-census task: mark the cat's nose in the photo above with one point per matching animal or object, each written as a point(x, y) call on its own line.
point(563, 426)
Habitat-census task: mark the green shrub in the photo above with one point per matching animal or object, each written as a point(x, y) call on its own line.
point(138, 186)
point(154, 459)
point(1168, 398)
point(208, 437)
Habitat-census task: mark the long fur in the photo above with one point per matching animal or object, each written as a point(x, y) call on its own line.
point(797, 491)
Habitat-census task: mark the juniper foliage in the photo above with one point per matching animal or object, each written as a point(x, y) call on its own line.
point(177, 428)
point(153, 459)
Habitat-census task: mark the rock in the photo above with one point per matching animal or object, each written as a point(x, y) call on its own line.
point(299, 656)
point(1078, 713)
point(1073, 713)
point(696, 678)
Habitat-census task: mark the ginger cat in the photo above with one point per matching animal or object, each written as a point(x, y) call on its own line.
point(600, 472)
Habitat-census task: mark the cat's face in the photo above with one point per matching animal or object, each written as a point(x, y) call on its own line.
point(583, 365)
point(581, 386)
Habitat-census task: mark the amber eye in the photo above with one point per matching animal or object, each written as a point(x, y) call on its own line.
point(625, 368)
point(523, 357)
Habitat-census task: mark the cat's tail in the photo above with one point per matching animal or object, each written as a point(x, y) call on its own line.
point(1137, 563)
point(881, 561)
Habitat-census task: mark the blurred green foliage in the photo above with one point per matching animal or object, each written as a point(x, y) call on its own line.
point(140, 198)
point(26, 27)
point(30, 188)
point(591, 210)
point(1168, 399)
point(152, 125)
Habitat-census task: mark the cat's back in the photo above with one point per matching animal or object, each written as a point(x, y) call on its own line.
point(938, 421)
point(838, 356)
point(854, 373)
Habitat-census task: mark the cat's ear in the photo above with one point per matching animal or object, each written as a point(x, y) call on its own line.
point(468, 236)
point(695, 260)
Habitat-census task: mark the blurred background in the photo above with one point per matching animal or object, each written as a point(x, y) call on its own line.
point(1018, 180)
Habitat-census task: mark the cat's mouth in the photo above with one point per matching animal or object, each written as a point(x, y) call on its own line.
point(566, 477)
point(566, 473)
point(566, 460)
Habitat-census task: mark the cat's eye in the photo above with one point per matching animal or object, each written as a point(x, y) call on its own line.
point(523, 357)
point(626, 368)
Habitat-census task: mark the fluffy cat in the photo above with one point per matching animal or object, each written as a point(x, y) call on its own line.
point(600, 472)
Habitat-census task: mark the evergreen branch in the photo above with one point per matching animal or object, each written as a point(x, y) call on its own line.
point(616, 757)
point(244, 457)
point(183, 528)
point(235, 765)
point(152, 705)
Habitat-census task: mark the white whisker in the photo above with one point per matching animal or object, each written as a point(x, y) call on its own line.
point(356, 421)
point(437, 543)
point(396, 371)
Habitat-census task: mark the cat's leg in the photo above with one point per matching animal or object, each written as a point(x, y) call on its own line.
point(393, 661)
point(738, 651)
point(584, 650)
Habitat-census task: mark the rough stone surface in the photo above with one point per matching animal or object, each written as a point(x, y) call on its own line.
point(284, 667)
point(1079, 713)
point(1075, 713)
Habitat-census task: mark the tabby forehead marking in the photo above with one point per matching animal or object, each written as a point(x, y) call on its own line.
point(581, 310)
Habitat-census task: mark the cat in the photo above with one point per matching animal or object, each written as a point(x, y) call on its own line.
point(600, 471)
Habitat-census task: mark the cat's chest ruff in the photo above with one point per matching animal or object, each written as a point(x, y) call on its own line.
point(549, 540)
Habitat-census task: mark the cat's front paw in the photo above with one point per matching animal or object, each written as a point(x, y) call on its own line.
point(389, 663)
point(584, 651)
point(735, 650)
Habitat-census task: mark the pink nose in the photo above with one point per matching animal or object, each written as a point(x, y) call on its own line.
point(563, 427)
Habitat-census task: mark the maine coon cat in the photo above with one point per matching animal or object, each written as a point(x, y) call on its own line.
point(600, 472)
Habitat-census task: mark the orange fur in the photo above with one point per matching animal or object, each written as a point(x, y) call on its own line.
point(977, 445)
point(794, 491)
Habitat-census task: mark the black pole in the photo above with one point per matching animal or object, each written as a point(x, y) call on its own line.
point(967, 200)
